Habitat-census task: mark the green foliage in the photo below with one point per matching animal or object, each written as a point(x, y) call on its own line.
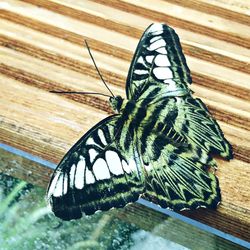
point(27, 223)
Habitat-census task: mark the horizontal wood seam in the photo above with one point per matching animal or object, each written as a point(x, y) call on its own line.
point(48, 85)
point(136, 33)
point(45, 84)
point(64, 34)
point(161, 17)
point(213, 9)
point(114, 78)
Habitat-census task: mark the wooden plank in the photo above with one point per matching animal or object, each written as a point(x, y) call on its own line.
point(233, 10)
point(203, 24)
point(86, 11)
point(239, 89)
point(42, 49)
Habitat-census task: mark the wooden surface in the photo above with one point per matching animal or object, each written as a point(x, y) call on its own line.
point(41, 49)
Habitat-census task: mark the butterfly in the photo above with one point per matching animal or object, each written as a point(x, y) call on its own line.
point(159, 143)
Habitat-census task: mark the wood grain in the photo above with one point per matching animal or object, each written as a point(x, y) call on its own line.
point(41, 49)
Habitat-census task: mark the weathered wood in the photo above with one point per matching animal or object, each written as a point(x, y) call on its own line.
point(41, 49)
point(86, 13)
point(233, 10)
point(199, 22)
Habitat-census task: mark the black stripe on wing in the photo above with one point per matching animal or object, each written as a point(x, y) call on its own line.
point(158, 61)
point(96, 174)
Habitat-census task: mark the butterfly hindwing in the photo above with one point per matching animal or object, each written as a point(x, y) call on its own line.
point(96, 174)
point(176, 178)
point(176, 174)
point(202, 131)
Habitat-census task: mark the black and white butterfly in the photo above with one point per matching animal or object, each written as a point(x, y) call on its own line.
point(159, 144)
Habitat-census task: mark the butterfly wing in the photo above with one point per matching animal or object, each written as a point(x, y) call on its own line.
point(97, 173)
point(178, 137)
point(202, 131)
point(158, 63)
point(178, 181)
point(176, 150)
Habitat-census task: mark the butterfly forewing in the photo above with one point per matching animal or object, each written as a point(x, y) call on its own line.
point(96, 174)
point(158, 62)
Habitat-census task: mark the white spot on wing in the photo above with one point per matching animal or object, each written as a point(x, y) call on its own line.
point(126, 167)
point(148, 167)
point(53, 184)
point(157, 44)
point(158, 32)
point(169, 81)
point(79, 174)
point(171, 84)
point(58, 191)
point(100, 169)
point(179, 101)
point(114, 162)
point(102, 137)
point(65, 184)
point(162, 73)
point(141, 72)
point(90, 141)
point(89, 177)
point(149, 59)
point(92, 154)
point(156, 28)
point(72, 175)
point(154, 39)
point(132, 165)
point(162, 51)
point(162, 60)
point(140, 60)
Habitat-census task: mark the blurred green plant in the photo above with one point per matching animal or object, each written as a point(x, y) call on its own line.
point(27, 223)
point(18, 226)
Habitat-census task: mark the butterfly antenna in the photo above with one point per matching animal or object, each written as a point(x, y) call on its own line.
point(99, 73)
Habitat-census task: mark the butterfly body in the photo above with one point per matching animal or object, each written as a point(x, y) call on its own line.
point(159, 143)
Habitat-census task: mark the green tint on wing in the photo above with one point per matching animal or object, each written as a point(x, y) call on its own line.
point(178, 182)
point(202, 131)
point(178, 139)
